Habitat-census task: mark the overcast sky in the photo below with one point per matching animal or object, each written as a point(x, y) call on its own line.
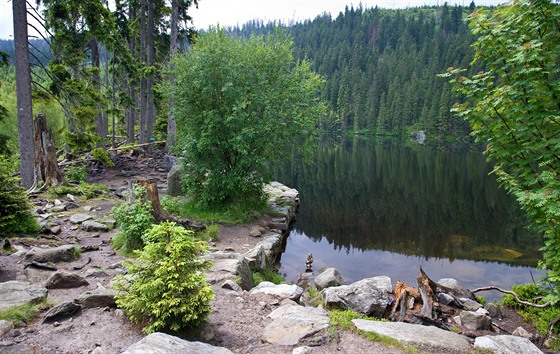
point(233, 12)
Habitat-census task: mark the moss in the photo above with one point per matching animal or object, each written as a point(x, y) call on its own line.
point(23, 313)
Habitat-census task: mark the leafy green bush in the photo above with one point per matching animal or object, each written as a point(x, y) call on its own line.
point(15, 211)
point(167, 288)
point(267, 275)
point(134, 219)
point(102, 155)
point(75, 173)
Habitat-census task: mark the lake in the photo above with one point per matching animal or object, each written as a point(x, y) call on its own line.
point(380, 207)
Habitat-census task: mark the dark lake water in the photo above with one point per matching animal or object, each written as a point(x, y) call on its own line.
point(371, 207)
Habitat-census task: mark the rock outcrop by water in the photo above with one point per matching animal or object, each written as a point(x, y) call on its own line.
point(368, 296)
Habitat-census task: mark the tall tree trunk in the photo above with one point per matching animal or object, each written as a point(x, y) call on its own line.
point(142, 98)
point(171, 125)
point(130, 111)
point(150, 104)
point(23, 91)
point(102, 125)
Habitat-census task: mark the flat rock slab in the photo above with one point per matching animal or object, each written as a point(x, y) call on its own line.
point(368, 296)
point(80, 218)
point(65, 280)
point(64, 253)
point(291, 323)
point(424, 337)
point(161, 343)
point(17, 293)
point(91, 225)
point(506, 345)
point(100, 297)
point(282, 291)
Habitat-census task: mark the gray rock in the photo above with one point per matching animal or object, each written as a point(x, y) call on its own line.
point(65, 280)
point(18, 349)
point(95, 273)
point(256, 258)
point(228, 265)
point(92, 225)
point(281, 291)
point(493, 310)
point(327, 278)
point(475, 321)
point(5, 327)
point(302, 350)
point(64, 253)
point(272, 246)
point(291, 323)
point(100, 297)
point(256, 231)
point(161, 343)
point(16, 293)
point(522, 332)
point(425, 337)
point(169, 161)
point(80, 218)
point(174, 185)
point(445, 299)
point(368, 296)
point(55, 230)
point(506, 345)
point(454, 285)
point(231, 285)
point(469, 304)
point(61, 311)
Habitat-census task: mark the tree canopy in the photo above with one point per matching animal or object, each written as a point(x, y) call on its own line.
point(239, 104)
point(514, 106)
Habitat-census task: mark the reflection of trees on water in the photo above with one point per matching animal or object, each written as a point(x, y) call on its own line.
point(410, 200)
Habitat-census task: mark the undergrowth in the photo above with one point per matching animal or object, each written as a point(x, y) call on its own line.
point(540, 317)
point(23, 313)
point(233, 213)
point(267, 275)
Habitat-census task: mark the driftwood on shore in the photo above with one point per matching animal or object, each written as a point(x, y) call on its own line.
point(152, 195)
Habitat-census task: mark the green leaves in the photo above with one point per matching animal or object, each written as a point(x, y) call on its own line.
point(513, 106)
point(167, 288)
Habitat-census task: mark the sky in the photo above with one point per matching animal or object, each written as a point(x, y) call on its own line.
point(233, 12)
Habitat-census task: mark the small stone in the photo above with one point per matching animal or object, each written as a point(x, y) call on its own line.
point(55, 230)
point(229, 249)
point(522, 332)
point(5, 327)
point(56, 324)
point(88, 208)
point(80, 218)
point(59, 208)
point(231, 285)
point(493, 310)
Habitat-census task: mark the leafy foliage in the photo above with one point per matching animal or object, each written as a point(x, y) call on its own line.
point(238, 104)
point(267, 275)
point(76, 173)
point(167, 287)
point(513, 105)
point(15, 211)
point(102, 155)
point(134, 219)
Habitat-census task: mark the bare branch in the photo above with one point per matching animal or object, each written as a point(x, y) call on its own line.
point(486, 288)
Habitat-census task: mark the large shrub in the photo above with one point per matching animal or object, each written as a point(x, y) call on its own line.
point(240, 104)
point(15, 211)
point(166, 288)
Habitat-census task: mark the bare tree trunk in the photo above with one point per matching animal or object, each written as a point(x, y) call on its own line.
point(171, 124)
point(45, 153)
point(150, 104)
point(130, 111)
point(102, 125)
point(142, 98)
point(23, 92)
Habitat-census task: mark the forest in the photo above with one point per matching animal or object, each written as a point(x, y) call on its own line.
point(380, 68)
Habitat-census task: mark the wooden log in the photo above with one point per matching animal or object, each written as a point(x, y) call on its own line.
point(401, 295)
point(137, 145)
point(40, 265)
point(152, 195)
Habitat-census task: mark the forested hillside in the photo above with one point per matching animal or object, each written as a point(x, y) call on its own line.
point(381, 67)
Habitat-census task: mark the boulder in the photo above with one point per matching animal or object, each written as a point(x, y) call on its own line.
point(80, 218)
point(327, 278)
point(475, 321)
point(92, 226)
point(5, 327)
point(64, 253)
point(291, 323)
point(100, 297)
point(522, 332)
point(169, 161)
point(17, 293)
point(505, 344)
point(281, 291)
point(368, 296)
point(469, 304)
point(454, 285)
point(174, 185)
point(231, 285)
point(61, 311)
point(256, 258)
point(493, 310)
point(428, 338)
point(96, 273)
point(229, 265)
point(265, 252)
point(65, 280)
point(161, 343)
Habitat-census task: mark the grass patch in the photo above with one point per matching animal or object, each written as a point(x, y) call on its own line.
point(210, 234)
point(23, 313)
point(342, 319)
point(89, 191)
point(239, 212)
point(267, 275)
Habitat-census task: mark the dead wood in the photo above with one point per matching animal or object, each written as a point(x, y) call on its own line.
point(526, 303)
point(137, 145)
point(402, 294)
point(427, 288)
point(45, 154)
point(152, 195)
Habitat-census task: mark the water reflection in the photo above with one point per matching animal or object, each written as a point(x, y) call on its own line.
point(370, 208)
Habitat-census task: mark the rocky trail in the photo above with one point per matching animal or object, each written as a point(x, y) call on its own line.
point(82, 317)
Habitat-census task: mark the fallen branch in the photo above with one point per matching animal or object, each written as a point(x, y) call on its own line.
point(137, 145)
point(40, 265)
point(83, 265)
point(486, 288)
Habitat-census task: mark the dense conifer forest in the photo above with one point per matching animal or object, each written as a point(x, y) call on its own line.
point(381, 67)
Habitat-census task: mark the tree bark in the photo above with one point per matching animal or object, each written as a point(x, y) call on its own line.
point(102, 124)
point(171, 124)
point(23, 92)
point(45, 153)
